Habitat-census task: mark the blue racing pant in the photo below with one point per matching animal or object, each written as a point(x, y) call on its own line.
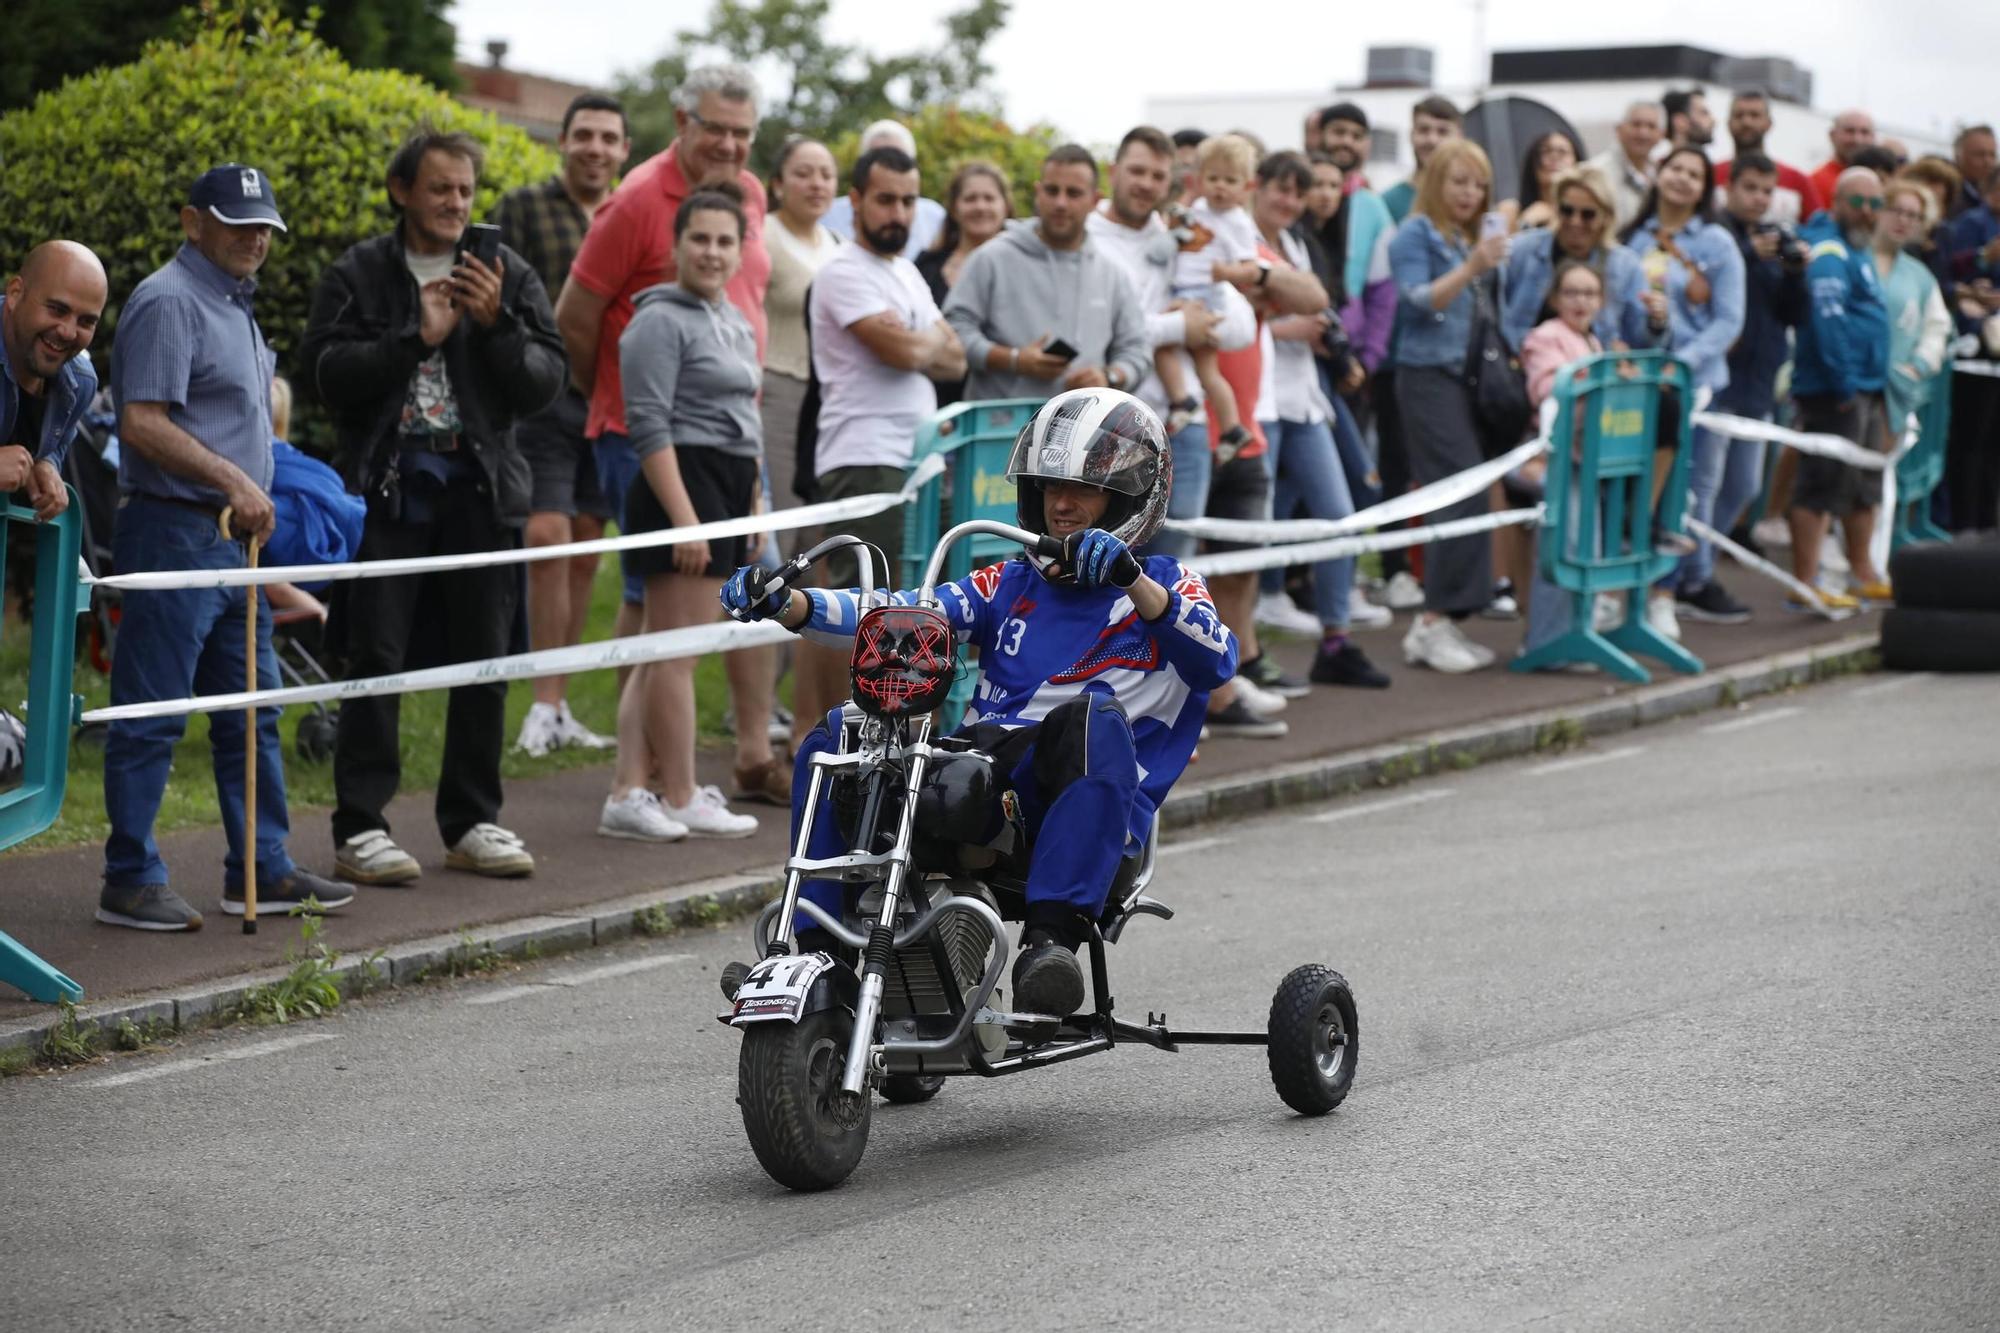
point(1075, 777)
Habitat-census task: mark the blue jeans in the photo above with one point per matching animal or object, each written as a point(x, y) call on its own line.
point(1192, 465)
point(617, 469)
point(1306, 466)
point(173, 644)
point(1724, 477)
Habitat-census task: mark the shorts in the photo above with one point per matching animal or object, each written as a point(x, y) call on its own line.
point(617, 465)
point(560, 461)
point(1240, 488)
point(719, 486)
point(1826, 485)
point(841, 569)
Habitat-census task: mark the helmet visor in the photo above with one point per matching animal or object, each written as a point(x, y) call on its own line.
point(1101, 458)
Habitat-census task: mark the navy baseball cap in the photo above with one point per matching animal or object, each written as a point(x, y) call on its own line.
point(238, 195)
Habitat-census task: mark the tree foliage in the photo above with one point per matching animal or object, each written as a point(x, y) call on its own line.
point(813, 84)
point(948, 136)
point(48, 41)
point(108, 158)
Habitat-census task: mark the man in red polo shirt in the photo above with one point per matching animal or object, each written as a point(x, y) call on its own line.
point(629, 248)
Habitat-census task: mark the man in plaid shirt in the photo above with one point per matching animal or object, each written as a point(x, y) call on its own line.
point(545, 223)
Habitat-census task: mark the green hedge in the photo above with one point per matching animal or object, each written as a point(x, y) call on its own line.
point(949, 135)
point(107, 158)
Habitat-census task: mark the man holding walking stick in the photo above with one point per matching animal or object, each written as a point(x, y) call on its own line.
point(192, 381)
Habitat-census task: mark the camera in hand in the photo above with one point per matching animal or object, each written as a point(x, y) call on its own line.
point(1337, 347)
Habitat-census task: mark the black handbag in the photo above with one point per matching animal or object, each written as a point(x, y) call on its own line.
point(1493, 376)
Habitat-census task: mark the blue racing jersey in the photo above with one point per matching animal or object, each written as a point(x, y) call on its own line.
point(1042, 644)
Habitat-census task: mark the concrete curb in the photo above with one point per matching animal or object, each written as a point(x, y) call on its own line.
point(707, 901)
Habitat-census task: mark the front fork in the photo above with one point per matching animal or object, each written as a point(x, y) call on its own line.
point(882, 939)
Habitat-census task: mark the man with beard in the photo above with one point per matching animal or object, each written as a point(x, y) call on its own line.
point(1689, 122)
point(1795, 199)
point(1344, 137)
point(878, 342)
point(545, 224)
point(1838, 372)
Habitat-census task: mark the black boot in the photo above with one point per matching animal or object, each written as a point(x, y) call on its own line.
point(1047, 977)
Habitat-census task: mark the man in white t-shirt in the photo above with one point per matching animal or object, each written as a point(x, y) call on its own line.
point(878, 342)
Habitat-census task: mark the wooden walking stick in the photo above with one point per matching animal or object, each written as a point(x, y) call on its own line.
point(250, 599)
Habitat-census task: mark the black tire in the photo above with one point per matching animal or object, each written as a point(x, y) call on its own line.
point(1961, 575)
point(315, 739)
point(909, 1089)
point(1315, 1039)
point(1919, 640)
point(788, 1085)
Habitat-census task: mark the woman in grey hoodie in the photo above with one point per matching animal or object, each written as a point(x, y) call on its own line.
point(689, 362)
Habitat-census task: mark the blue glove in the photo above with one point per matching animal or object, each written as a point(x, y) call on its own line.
point(746, 600)
point(1098, 559)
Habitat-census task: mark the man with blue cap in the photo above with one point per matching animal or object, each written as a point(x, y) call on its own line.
point(192, 383)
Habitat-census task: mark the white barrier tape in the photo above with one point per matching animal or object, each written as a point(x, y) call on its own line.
point(830, 511)
point(1990, 369)
point(694, 641)
point(1827, 446)
point(1441, 494)
point(1277, 557)
point(1752, 561)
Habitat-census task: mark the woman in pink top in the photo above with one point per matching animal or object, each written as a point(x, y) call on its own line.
point(1575, 294)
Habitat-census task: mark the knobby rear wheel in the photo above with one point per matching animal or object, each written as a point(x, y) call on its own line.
point(804, 1132)
point(1315, 1039)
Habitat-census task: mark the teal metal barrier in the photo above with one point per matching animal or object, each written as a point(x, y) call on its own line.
point(1920, 471)
point(1598, 535)
point(52, 711)
point(976, 439)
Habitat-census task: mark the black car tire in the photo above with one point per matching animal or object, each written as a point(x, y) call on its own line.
point(1926, 640)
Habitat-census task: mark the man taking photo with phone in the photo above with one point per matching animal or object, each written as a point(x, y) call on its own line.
point(428, 344)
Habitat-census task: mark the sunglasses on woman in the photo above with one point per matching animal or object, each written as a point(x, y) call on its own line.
point(1577, 211)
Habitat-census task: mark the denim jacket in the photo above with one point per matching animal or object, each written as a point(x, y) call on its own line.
point(1419, 256)
point(1531, 267)
point(70, 391)
point(1701, 335)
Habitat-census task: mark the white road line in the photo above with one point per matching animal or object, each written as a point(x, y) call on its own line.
point(1372, 807)
point(1194, 845)
point(1753, 720)
point(271, 1047)
point(1584, 761)
point(1893, 683)
point(571, 980)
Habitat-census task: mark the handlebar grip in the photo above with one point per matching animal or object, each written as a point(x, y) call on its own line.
point(1049, 548)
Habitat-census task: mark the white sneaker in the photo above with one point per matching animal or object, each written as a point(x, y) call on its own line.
point(1404, 593)
point(709, 816)
point(1487, 657)
point(1260, 701)
point(1441, 646)
point(541, 730)
point(638, 815)
point(1771, 531)
point(371, 858)
point(1607, 611)
point(1660, 616)
point(488, 849)
point(569, 731)
point(1364, 614)
point(779, 732)
point(1831, 557)
point(1277, 611)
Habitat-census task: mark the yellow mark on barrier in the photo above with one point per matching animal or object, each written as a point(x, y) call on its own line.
point(992, 490)
point(1631, 421)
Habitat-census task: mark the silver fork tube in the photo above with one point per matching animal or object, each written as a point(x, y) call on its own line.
point(869, 1008)
point(788, 906)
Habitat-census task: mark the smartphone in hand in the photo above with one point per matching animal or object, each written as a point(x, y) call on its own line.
point(1492, 224)
point(481, 240)
point(1061, 350)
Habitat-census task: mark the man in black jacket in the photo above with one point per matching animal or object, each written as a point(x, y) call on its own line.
point(1726, 474)
point(426, 357)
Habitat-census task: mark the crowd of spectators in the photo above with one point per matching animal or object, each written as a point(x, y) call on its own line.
point(692, 343)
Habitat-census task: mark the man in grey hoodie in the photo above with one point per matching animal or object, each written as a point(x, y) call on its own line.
point(1042, 284)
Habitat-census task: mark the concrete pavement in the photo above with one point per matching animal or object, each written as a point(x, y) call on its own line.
point(1713, 1049)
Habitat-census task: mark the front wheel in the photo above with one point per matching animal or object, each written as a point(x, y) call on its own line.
point(805, 1132)
point(1315, 1039)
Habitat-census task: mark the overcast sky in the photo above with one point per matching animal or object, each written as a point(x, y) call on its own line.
point(1083, 67)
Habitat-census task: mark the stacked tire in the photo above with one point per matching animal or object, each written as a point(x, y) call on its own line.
point(1947, 612)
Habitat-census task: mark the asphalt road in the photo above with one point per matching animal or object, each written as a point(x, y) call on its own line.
point(1695, 1027)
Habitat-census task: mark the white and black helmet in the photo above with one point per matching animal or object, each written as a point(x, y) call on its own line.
point(1097, 437)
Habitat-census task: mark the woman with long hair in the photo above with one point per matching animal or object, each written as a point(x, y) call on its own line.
point(1695, 291)
point(691, 383)
point(1547, 158)
point(1438, 257)
point(977, 204)
point(801, 186)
